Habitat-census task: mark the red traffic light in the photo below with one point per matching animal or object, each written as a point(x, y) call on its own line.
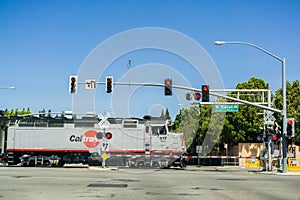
point(205, 88)
point(290, 127)
point(109, 84)
point(73, 84)
point(108, 135)
point(168, 87)
point(168, 82)
point(205, 93)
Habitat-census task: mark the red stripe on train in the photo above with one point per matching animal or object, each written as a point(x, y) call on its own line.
point(48, 150)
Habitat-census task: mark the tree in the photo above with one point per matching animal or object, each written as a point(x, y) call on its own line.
point(242, 126)
point(293, 105)
point(16, 112)
point(166, 114)
point(187, 122)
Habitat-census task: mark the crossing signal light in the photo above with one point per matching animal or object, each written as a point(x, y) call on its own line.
point(109, 84)
point(275, 138)
point(188, 96)
point(99, 135)
point(197, 96)
point(168, 87)
point(108, 135)
point(205, 93)
point(290, 127)
point(289, 141)
point(73, 84)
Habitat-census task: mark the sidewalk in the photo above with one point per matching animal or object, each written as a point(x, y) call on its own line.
point(239, 169)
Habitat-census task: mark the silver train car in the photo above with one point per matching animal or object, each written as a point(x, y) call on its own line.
point(129, 142)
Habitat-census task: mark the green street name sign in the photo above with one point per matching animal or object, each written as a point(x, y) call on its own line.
point(226, 108)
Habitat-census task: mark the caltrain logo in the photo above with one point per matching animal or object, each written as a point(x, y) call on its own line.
point(90, 139)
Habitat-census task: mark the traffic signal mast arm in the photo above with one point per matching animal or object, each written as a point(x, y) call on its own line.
point(246, 102)
point(212, 92)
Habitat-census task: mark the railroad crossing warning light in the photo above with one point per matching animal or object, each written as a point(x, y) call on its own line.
point(188, 96)
point(205, 93)
point(108, 135)
point(73, 84)
point(99, 135)
point(290, 127)
point(109, 84)
point(197, 96)
point(289, 141)
point(168, 87)
point(275, 138)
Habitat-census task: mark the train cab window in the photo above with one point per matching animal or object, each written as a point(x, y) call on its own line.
point(163, 131)
point(159, 130)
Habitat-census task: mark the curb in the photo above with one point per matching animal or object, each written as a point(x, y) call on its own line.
point(97, 168)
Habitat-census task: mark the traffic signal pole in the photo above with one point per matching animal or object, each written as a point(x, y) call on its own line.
point(283, 111)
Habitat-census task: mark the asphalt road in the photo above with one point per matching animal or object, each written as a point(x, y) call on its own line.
point(191, 183)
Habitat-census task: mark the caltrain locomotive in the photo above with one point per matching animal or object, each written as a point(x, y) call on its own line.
point(130, 142)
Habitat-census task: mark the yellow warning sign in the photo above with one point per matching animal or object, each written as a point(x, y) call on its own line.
point(252, 162)
point(105, 156)
point(294, 164)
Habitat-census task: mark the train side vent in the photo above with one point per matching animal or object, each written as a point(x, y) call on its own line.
point(130, 123)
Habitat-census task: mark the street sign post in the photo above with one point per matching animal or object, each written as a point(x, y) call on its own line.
point(199, 150)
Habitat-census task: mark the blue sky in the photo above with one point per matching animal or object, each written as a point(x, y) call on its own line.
point(43, 42)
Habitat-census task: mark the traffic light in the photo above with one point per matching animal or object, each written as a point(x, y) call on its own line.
point(73, 84)
point(197, 96)
point(109, 84)
point(290, 127)
point(205, 93)
point(168, 87)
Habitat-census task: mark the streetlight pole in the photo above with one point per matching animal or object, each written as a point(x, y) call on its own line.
point(283, 113)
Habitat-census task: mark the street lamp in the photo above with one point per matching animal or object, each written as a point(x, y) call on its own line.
point(283, 113)
point(9, 88)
